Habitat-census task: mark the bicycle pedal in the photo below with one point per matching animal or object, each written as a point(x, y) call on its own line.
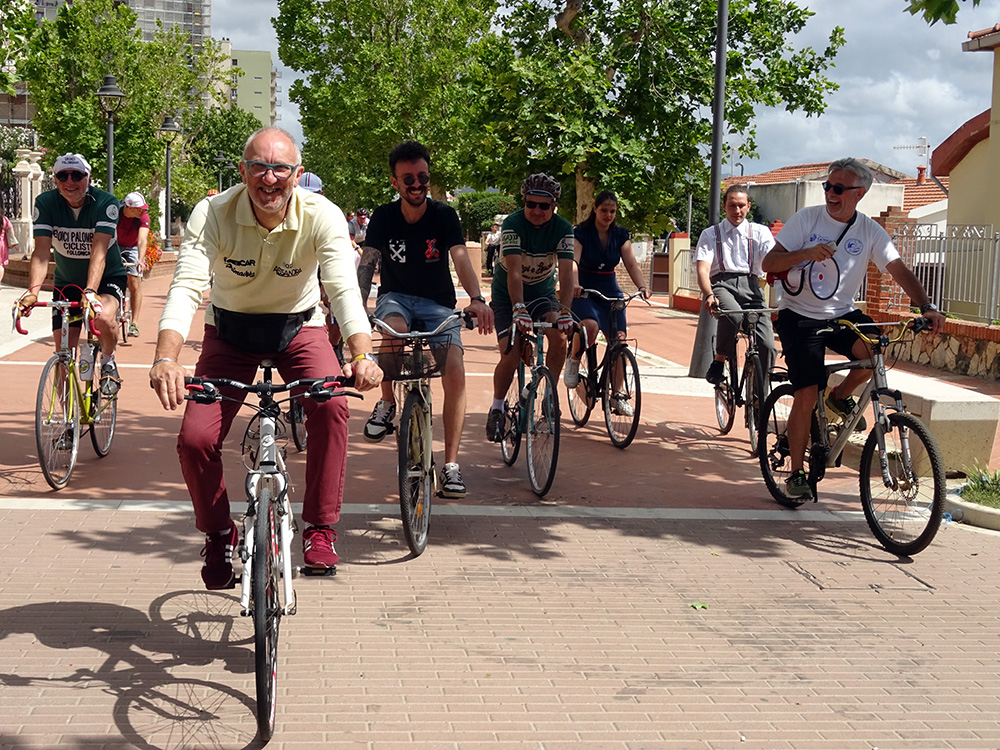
point(311, 572)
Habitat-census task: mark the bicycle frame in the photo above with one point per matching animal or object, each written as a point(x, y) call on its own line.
point(526, 384)
point(599, 372)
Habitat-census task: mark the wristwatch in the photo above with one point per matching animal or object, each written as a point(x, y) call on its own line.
point(928, 307)
point(478, 298)
point(367, 355)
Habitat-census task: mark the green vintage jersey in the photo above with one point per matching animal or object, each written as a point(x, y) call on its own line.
point(540, 249)
point(73, 236)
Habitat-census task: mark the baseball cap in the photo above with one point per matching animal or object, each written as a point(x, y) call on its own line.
point(311, 182)
point(135, 200)
point(71, 161)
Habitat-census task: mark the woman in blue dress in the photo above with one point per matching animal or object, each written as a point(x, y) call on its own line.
point(601, 244)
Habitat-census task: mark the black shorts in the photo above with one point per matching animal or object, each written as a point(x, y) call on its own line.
point(503, 313)
point(113, 286)
point(805, 348)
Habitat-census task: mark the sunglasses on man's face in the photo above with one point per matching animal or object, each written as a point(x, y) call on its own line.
point(423, 178)
point(538, 204)
point(838, 189)
point(70, 174)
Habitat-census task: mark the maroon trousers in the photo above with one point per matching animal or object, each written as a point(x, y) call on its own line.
point(205, 427)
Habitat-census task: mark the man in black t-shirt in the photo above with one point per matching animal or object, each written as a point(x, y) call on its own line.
point(413, 237)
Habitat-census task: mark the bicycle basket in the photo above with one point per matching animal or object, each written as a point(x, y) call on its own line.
point(411, 360)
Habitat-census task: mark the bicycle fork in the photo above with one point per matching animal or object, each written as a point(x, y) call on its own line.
point(284, 532)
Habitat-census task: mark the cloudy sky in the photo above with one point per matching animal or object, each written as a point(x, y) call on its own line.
point(899, 78)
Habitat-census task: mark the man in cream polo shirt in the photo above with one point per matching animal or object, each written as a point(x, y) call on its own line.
point(264, 241)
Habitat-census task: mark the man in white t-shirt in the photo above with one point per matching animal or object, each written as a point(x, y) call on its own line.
point(825, 252)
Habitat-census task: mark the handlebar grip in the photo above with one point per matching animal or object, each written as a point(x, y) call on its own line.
point(920, 324)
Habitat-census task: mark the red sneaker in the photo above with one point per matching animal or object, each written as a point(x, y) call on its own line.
point(217, 572)
point(317, 547)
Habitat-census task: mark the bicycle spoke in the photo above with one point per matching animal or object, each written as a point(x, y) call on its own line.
point(57, 428)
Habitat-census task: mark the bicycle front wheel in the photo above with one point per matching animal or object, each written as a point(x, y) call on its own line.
point(581, 399)
point(416, 476)
point(266, 609)
point(103, 418)
point(510, 444)
point(297, 421)
point(543, 431)
point(57, 423)
point(903, 499)
point(622, 397)
point(725, 406)
point(754, 399)
point(774, 453)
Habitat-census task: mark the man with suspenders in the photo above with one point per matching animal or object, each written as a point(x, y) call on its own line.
point(728, 258)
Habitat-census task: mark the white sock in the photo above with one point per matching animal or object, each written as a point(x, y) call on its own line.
point(498, 403)
point(105, 360)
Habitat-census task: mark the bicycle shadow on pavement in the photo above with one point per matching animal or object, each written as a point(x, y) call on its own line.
point(128, 654)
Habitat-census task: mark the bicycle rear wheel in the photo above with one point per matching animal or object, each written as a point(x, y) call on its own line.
point(754, 399)
point(57, 423)
point(623, 402)
point(905, 515)
point(416, 474)
point(511, 442)
point(774, 453)
point(543, 431)
point(125, 319)
point(266, 609)
point(297, 422)
point(103, 418)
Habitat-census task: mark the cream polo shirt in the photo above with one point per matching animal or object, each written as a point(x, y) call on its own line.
point(255, 272)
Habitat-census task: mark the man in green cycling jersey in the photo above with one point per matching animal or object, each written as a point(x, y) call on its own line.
point(534, 243)
point(76, 223)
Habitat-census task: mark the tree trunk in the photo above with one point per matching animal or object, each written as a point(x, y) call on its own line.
point(584, 192)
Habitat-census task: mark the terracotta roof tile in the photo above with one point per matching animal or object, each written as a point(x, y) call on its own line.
point(984, 32)
point(915, 196)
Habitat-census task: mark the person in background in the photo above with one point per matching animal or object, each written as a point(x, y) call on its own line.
point(492, 247)
point(7, 241)
point(358, 227)
point(133, 234)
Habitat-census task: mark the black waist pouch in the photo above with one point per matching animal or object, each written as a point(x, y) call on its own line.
point(259, 333)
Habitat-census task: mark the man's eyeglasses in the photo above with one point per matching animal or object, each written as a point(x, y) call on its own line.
point(838, 189)
point(280, 171)
point(537, 204)
point(423, 178)
point(67, 174)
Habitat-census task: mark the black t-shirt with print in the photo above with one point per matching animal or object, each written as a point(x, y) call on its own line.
point(415, 256)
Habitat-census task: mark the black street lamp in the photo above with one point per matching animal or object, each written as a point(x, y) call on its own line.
point(169, 130)
point(110, 98)
point(223, 161)
point(233, 168)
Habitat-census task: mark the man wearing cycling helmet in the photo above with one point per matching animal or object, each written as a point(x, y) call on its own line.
point(78, 222)
point(534, 242)
point(414, 237)
point(358, 227)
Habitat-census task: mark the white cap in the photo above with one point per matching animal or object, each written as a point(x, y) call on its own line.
point(311, 182)
point(135, 200)
point(71, 161)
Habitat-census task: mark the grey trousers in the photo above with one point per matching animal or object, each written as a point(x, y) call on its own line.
point(742, 292)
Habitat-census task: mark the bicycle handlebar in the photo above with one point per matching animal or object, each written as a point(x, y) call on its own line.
point(204, 390)
point(62, 305)
point(600, 295)
point(829, 326)
point(746, 311)
point(468, 320)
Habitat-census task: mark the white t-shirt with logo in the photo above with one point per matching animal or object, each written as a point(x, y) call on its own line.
point(826, 289)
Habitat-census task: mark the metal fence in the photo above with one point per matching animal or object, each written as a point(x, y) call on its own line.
point(9, 191)
point(959, 267)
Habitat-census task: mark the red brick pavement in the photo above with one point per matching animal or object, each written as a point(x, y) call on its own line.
point(556, 623)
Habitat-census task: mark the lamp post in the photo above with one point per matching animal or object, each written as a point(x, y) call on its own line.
point(221, 159)
point(169, 130)
point(110, 98)
point(230, 167)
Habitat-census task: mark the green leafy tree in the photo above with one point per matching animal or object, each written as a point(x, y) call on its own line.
point(17, 19)
point(66, 62)
point(936, 10)
point(617, 93)
point(477, 209)
point(378, 72)
point(216, 130)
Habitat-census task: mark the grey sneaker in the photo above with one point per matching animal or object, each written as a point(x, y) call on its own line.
point(797, 486)
point(494, 426)
point(451, 481)
point(380, 422)
point(133, 330)
point(843, 408)
point(110, 382)
point(621, 406)
point(571, 375)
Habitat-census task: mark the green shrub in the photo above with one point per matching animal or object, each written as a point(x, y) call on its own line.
point(477, 210)
point(983, 487)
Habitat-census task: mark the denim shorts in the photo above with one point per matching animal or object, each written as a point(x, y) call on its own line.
point(130, 255)
point(420, 314)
